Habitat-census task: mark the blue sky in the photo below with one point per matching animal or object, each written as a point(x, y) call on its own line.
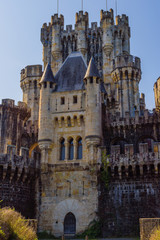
point(21, 21)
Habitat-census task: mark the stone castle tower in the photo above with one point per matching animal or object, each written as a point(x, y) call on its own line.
point(85, 104)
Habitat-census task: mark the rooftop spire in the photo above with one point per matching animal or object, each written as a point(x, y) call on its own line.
point(92, 70)
point(47, 75)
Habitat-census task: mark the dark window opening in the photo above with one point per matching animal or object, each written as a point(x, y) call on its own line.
point(62, 100)
point(91, 80)
point(74, 99)
point(62, 150)
point(45, 85)
point(79, 149)
point(71, 150)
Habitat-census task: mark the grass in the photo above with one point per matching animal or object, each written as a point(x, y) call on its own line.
point(14, 227)
point(155, 234)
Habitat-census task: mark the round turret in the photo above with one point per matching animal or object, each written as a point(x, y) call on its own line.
point(81, 27)
point(126, 75)
point(47, 85)
point(93, 131)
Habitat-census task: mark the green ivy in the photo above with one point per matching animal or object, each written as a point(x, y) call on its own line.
point(104, 175)
point(93, 231)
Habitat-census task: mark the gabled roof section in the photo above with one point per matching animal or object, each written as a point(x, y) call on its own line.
point(47, 75)
point(92, 70)
point(70, 76)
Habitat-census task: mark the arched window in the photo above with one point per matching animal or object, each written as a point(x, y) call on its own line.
point(62, 150)
point(71, 150)
point(79, 149)
point(70, 224)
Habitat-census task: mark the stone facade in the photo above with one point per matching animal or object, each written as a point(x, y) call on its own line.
point(85, 102)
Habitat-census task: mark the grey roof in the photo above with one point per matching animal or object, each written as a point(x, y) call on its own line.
point(70, 76)
point(47, 75)
point(92, 70)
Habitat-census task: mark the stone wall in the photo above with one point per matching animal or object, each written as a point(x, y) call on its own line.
point(67, 188)
point(124, 201)
point(17, 184)
point(147, 225)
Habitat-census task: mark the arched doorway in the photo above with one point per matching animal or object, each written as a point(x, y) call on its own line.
point(70, 224)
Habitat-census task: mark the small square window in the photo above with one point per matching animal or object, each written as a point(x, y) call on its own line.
point(62, 100)
point(74, 99)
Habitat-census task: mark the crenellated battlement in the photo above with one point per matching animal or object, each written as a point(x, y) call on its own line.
point(31, 71)
point(126, 61)
point(122, 20)
point(107, 16)
point(21, 107)
point(147, 117)
point(55, 20)
point(80, 17)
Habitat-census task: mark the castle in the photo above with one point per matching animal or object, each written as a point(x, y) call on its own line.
point(84, 108)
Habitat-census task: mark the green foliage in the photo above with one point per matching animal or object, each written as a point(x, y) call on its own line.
point(93, 231)
point(14, 227)
point(105, 177)
point(155, 234)
point(2, 234)
point(45, 235)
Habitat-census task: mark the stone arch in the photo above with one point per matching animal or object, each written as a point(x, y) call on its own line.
point(63, 208)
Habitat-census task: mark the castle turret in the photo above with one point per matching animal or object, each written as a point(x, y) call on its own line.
point(126, 75)
point(93, 131)
point(47, 84)
point(51, 40)
point(81, 27)
point(122, 35)
point(30, 78)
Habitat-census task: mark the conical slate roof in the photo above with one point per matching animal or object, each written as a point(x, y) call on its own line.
point(47, 75)
point(92, 70)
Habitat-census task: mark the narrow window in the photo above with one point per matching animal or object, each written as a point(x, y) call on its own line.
point(91, 80)
point(74, 99)
point(79, 149)
point(71, 150)
point(45, 85)
point(62, 100)
point(62, 150)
